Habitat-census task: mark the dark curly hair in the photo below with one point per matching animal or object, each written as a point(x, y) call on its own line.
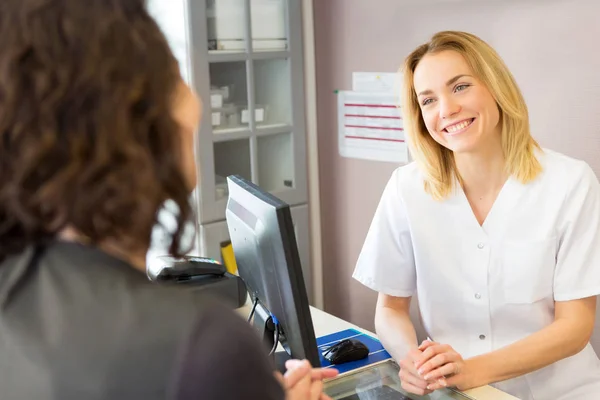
point(87, 137)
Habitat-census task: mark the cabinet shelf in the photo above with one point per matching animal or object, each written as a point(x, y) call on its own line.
point(217, 56)
point(268, 54)
point(225, 135)
point(272, 129)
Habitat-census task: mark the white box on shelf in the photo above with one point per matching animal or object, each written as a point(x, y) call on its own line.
point(216, 100)
point(226, 90)
point(216, 118)
point(259, 115)
point(229, 117)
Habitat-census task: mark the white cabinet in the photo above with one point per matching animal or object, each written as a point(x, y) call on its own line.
point(245, 60)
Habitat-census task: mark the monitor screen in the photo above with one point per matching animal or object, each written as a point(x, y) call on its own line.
point(264, 243)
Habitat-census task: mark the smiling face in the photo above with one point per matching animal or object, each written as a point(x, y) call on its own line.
point(458, 110)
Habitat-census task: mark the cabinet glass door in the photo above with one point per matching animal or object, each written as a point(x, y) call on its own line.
point(226, 26)
point(228, 97)
point(232, 157)
point(275, 158)
point(269, 25)
point(247, 68)
point(272, 88)
point(230, 123)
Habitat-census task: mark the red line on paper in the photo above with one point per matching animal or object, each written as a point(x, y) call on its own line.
point(372, 116)
point(370, 105)
point(374, 127)
point(378, 139)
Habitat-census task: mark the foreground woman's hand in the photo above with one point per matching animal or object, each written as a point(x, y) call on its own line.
point(301, 382)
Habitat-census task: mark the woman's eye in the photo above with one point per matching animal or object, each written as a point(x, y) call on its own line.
point(461, 87)
point(427, 101)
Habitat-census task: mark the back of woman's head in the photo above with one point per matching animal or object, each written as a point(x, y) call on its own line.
point(487, 66)
point(87, 137)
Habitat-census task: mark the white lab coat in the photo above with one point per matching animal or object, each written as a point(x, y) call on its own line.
point(481, 288)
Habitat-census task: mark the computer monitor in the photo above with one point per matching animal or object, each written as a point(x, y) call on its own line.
point(264, 243)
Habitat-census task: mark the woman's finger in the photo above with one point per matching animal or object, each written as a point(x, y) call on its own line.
point(293, 363)
point(324, 373)
point(433, 351)
point(316, 389)
point(437, 361)
point(296, 374)
point(415, 389)
point(441, 372)
point(426, 344)
point(430, 352)
point(436, 386)
point(408, 367)
point(301, 390)
point(414, 357)
point(412, 379)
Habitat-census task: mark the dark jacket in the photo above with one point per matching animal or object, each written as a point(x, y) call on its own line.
point(76, 323)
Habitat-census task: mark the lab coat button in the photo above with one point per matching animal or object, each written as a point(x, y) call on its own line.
point(482, 337)
point(481, 246)
point(477, 296)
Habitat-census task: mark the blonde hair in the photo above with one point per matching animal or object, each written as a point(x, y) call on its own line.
point(435, 160)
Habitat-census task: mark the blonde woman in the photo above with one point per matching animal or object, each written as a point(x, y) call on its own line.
point(499, 238)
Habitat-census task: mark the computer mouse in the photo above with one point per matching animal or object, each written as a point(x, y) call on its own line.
point(345, 351)
point(187, 268)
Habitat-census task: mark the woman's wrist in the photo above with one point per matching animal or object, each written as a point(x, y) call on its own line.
point(479, 370)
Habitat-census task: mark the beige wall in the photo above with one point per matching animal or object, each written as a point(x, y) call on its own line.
point(552, 47)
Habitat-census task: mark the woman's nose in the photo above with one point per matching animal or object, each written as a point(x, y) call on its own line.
point(448, 107)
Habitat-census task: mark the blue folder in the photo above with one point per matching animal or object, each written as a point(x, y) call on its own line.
point(376, 351)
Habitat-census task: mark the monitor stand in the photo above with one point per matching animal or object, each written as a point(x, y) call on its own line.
point(266, 330)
